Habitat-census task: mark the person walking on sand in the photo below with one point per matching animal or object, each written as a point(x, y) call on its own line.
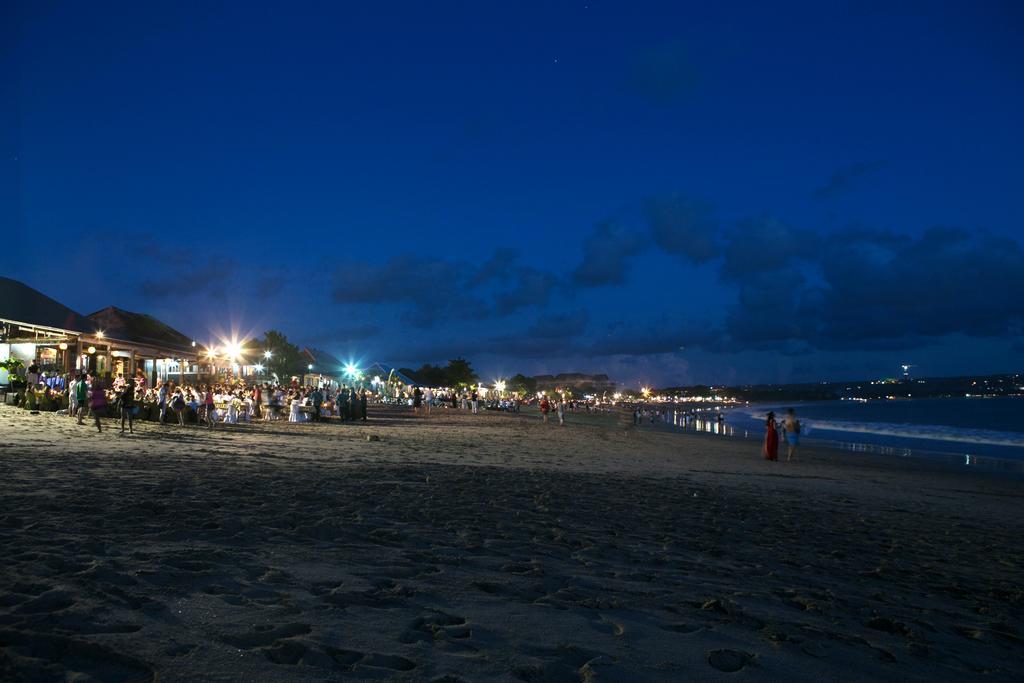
point(178, 405)
point(32, 377)
point(417, 399)
point(428, 398)
point(126, 401)
point(98, 403)
point(560, 409)
point(545, 408)
point(343, 403)
point(362, 405)
point(791, 425)
point(161, 401)
point(475, 402)
point(208, 407)
point(82, 395)
point(73, 395)
point(771, 439)
point(317, 399)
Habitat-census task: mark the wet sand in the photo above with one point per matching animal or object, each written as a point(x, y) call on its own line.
point(493, 547)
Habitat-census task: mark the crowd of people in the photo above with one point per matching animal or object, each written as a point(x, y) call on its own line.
point(207, 404)
point(85, 396)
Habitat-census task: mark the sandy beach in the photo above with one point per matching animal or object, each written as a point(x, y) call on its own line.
point(493, 547)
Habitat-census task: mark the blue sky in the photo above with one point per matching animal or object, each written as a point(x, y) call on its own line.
point(666, 193)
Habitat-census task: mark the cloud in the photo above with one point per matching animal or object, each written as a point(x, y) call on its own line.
point(664, 74)
point(353, 332)
point(683, 225)
point(433, 290)
point(843, 178)
point(604, 255)
point(655, 337)
point(560, 325)
point(269, 283)
point(496, 267)
point(765, 244)
point(771, 308)
point(881, 291)
point(186, 281)
point(548, 336)
point(532, 288)
point(947, 281)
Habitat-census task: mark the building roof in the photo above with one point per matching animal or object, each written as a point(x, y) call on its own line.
point(387, 371)
point(323, 362)
point(21, 303)
point(140, 328)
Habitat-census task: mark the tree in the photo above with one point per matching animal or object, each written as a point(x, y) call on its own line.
point(432, 375)
point(13, 366)
point(523, 384)
point(285, 358)
point(459, 373)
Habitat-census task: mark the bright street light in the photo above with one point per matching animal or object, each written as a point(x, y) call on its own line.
point(233, 349)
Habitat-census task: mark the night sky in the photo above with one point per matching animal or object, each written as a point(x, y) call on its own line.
point(669, 193)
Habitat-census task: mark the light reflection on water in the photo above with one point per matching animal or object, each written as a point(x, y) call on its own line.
point(876, 449)
point(708, 422)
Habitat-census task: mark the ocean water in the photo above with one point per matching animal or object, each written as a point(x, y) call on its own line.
point(974, 432)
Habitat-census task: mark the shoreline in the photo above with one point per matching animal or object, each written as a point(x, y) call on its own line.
point(1009, 464)
point(1007, 467)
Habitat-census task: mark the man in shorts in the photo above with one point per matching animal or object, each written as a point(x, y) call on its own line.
point(791, 425)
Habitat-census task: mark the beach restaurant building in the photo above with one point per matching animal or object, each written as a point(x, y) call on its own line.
point(111, 341)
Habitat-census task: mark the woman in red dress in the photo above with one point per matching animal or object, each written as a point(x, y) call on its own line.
point(771, 439)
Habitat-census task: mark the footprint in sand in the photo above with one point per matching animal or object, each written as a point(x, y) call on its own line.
point(436, 627)
point(262, 637)
point(349, 660)
point(288, 652)
point(48, 602)
point(606, 625)
point(729, 661)
point(51, 657)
